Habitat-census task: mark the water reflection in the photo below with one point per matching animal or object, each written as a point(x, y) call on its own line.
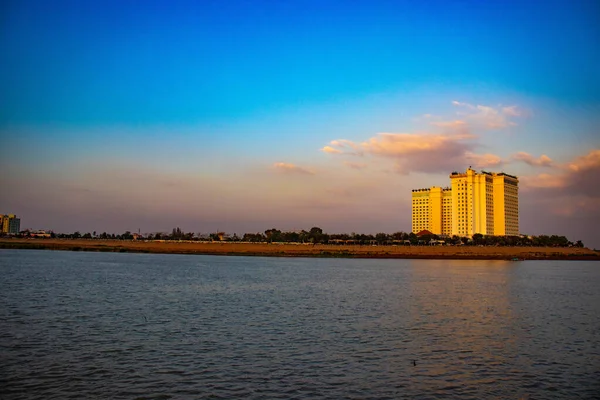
point(462, 322)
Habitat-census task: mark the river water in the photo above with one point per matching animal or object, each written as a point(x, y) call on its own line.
point(144, 326)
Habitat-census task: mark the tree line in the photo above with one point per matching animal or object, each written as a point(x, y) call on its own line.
point(316, 236)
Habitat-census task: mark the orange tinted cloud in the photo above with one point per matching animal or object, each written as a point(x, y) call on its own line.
point(590, 161)
point(541, 161)
point(291, 168)
point(331, 150)
point(580, 176)
point(424, 152)
point(484, 160)
point(355, 165)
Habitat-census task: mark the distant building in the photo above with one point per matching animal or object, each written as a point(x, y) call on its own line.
point(40, 234)
point(485, 203)
point(10, 224)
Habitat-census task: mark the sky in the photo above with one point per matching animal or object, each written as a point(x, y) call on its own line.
point(241, 116)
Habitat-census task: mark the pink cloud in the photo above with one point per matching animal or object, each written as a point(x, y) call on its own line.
point(341, 146)
point(457, 124)
point(580, 176)
point(355, 165)
point(590, 161)
point(541, 161)
point(484, 160)
point(543, 181)
point(291, 168)
point(424, 152)
point(406, 144)
point(513, 111)
point(487, 117)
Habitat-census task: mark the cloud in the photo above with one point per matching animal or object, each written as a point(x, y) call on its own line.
point(484, 160)
point(406, 144)
point(457, 124)
point(513, 111)
point(590, 161)
point(341, 146)
point(581, 176)
point(487, 117)
point(541, 161)
point(459, 104)
point(423, 152)
point(451, 144)
point(544, 181)
point(331, 150)
point(355, 165)
point(291, 168)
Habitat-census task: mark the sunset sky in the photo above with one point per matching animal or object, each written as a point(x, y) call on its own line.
point(241, 116)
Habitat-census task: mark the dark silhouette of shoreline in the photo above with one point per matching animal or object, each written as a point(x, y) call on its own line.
point(306, 250)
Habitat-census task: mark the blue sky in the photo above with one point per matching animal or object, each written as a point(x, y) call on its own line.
point(213, 97)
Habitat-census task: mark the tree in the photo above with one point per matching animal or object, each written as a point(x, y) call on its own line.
point(315, 235)
point(413, 238)
point(381, 238)
point(478, 239)
point(273, 235)
point(398, 235)
point(316, 230)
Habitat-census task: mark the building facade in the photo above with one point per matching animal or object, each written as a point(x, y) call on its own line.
point(10, 224)
point(432, 210)
point(485, 203)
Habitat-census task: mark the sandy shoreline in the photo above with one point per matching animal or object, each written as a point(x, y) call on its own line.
point(303, 250)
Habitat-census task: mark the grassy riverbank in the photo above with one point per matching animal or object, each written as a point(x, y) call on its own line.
point(303, 250)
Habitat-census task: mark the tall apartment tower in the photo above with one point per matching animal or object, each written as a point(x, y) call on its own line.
point(472, 195)
point(432, 210)
point(506, 205)
point(486, 203)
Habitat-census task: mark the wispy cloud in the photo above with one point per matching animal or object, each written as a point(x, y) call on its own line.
point(291, 168)
point(331, 150)
point(483, 160)
point(487, 117)
point(343, 146)
point(355, 165)
point(579, 176)
point(541, 161)
point(513, 111)
point(456, 124)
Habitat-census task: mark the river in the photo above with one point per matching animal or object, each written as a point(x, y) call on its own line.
point(150, 326)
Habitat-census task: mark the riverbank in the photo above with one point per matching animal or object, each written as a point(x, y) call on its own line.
point(306, 250)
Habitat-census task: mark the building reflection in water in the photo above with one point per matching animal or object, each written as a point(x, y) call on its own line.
point(461, 319)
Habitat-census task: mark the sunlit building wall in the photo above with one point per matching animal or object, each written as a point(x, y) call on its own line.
point(506, 204)
point(432, 210)
point(420, 210)
point(473, 196)
point(485, 203)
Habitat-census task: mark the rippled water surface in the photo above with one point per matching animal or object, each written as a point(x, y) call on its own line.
point(106, 325)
